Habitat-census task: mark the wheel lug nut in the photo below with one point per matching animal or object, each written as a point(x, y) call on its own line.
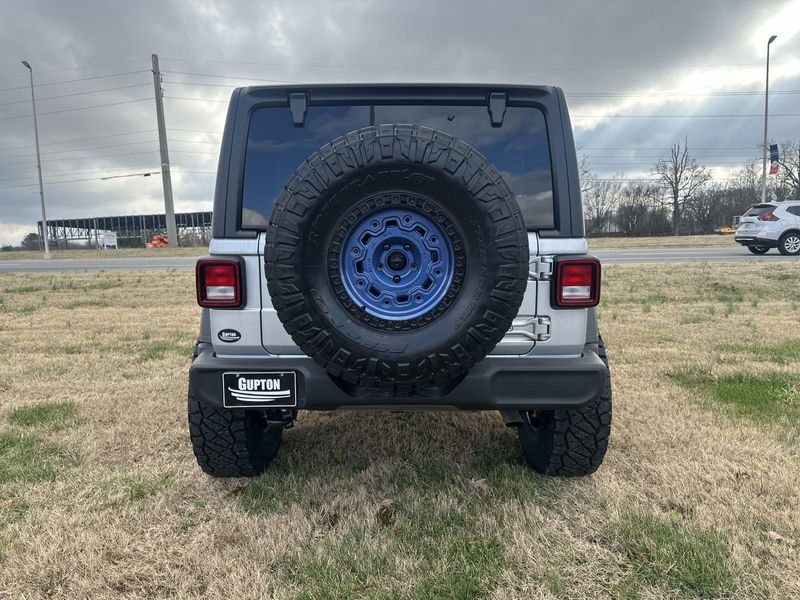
point(380, 265)
point(413, 267)
point(396, 278)
point(407, 247)
point(386, 246)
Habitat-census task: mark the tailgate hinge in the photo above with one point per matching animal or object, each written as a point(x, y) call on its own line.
point(533, 328)
point(540, 268)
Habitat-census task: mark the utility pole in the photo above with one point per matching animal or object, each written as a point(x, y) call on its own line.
point(766, 117)
point(166, 178)
point(39, 165)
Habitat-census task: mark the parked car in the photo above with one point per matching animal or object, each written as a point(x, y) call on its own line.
point(771, 225)
point(404, 247)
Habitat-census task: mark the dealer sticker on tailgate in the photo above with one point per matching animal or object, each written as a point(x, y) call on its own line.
point(256, 390)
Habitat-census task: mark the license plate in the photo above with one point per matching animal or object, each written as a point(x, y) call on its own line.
point(259, 390)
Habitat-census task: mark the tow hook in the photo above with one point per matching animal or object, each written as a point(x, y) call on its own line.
point(280, 417)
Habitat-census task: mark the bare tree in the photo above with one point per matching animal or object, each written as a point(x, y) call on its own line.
point(682, 177)
point(789, 169)
point(599, 204)
point(709, 209)
point(633, 212)
point(585, 174)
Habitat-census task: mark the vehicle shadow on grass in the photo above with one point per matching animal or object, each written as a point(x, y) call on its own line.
point(384, 455)
point(400, 505)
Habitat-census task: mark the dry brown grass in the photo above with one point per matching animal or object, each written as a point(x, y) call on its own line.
point(111, 253)
point(678, 241)
point(106, 501)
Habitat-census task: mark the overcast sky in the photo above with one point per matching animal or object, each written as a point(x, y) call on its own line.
point(611, 57)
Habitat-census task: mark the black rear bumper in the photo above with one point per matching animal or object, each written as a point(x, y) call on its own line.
point(495, 383)
point(746, 240)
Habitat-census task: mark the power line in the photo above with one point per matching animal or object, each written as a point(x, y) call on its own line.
point(100, 147)
point(9, 187)
point(469, 67)
point(679, 94)
point(122, 87)
point(194, 152)
point(720, 116)
point(111, 64)
point(223, 85)
point(652, 179)
point(51, 172)
point(95, 137)
point(182, 170)
point(666, 93)
point(727, 116)
point(714, 158)
point(38, 85)
point(635, 163)
point(145, 174)
point(66, 110)
point(86, 157)
point(193, 142)
point(636, 154)
point(195, 99)
point(194, 131)
point(581, 148)
point(228, 77)
point(635, 151)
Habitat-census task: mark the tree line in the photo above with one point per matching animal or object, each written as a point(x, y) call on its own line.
point(681, 196)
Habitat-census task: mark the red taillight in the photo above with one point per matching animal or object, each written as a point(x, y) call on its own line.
point(219, 283)
point(767, 217)
point(577, 283)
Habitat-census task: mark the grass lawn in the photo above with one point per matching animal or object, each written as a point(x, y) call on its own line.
point(121, 253)
point(678, 241)
point(100, 496)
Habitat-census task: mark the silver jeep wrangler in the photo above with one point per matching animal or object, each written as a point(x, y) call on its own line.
point(398, 247)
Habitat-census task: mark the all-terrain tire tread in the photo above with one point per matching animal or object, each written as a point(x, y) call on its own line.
point(231, 443)
point(342, 157)
point(579, 437)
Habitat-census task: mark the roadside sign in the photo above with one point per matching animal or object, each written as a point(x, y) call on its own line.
point(110, 239)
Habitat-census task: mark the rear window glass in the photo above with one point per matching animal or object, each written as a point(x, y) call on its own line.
point(518, 149)
point(759, 210)
point(795, 210)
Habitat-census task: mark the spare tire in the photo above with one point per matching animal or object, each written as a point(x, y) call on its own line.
point(396, 254)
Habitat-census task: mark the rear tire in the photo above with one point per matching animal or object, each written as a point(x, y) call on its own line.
point(232, 443)
point(568, 442)
point(789, 244)
point(758, 249)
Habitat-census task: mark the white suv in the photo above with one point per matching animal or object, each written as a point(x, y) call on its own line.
point(771, 225)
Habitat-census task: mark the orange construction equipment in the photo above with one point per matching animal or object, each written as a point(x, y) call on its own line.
point(157, 241)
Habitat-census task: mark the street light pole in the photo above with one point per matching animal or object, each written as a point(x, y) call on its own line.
point(39, 165)
point(766, 117)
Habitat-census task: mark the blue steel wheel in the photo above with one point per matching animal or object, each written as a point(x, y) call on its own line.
point(398, 261)
point(396, 264)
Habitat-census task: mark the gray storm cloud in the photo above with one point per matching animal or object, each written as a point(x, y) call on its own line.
point(602, 54)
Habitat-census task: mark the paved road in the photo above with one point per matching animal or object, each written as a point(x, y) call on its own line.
point(183, 263)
